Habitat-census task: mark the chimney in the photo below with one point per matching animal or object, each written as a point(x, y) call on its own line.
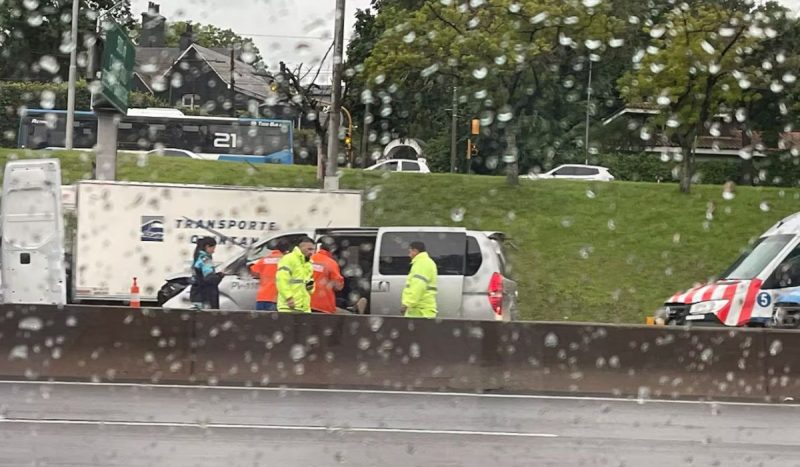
point(153, 27)
point(187, 37)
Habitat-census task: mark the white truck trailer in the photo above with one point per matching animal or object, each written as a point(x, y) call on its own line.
point(120, 230)
point(147, 230)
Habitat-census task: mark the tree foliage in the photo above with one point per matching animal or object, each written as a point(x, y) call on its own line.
point(519, 66)
point(522, 67)
point(35, 40)
point(699, 63)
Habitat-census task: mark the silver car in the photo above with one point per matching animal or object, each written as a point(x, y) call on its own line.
point(374, 261)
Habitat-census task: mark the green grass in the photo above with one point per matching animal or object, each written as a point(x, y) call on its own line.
point(584, 252)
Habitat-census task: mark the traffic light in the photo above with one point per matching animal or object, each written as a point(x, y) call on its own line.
point(475, 126)
point(472, 149)
point(348, 140)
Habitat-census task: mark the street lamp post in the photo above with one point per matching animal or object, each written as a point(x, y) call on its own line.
point(331, 179)
point(588, 107)
point(73, 71)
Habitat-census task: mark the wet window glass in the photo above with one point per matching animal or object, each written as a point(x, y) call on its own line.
point(446, 249)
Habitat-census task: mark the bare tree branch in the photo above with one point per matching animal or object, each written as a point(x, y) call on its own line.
point(436, 13)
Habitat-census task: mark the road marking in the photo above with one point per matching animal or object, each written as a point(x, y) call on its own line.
point(403, 393)
point(333, 429)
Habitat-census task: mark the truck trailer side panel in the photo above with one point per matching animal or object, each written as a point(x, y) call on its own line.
point(147, 231)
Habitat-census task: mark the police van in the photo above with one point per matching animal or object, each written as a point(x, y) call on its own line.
point(746, 293)
point(473, 280)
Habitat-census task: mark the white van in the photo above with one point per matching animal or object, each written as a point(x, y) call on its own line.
point(472, 282)
point(745, 293)
point(33, 264)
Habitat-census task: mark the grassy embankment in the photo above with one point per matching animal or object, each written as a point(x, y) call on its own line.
point(585, 252)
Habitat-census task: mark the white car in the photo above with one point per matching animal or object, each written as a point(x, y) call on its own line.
point(174, 152)
point(576, 172)
point(402, 165)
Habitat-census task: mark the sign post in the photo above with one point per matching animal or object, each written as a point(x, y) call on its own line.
point(110, 103)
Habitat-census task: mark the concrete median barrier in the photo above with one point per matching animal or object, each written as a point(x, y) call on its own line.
point(782, 366)
point(333, 351)
point(259, 349)
point(642, 361)
point(94, 343)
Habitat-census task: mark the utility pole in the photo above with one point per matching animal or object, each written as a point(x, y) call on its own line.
point(233, 84)
point(331, 180)
point(588, 105)
point(453, 131)
point(365, 134)
point(73, 71)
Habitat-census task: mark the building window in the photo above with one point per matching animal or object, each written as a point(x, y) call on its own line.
point(190, 101)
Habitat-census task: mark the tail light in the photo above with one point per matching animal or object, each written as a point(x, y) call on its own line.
point(496, 293)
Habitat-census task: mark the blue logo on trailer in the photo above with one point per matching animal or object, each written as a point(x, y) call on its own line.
point(152, 228)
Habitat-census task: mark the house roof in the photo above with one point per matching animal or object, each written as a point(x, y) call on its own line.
point(153, 62)
point(153, 65)
point(247, 80)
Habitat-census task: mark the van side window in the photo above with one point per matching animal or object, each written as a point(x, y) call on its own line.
point(474, 257)
point(787, 274)
point(447, 250)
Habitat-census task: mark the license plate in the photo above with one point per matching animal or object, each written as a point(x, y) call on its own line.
point(695, 317)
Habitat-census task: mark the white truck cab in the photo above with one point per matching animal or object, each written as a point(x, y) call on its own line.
point(745, 293)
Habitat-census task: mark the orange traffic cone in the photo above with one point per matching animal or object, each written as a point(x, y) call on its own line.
point(135, 303)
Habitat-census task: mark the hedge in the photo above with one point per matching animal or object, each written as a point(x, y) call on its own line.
point(773, 170)
point(17, 95)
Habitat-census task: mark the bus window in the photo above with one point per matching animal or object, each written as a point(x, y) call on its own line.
point(133, 136)
point(85, 134)
point(263, 140)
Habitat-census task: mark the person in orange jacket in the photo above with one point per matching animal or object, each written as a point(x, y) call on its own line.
point(265, 269)
point(327, 277)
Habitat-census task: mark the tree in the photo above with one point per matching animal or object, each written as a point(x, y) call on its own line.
point(35, 39)
point(509, 59)
point(299, 96)
point(701, 60)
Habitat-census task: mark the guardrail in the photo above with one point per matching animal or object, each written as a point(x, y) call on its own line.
point(244, 348)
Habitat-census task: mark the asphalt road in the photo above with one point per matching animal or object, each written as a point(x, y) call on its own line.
point(76, 424)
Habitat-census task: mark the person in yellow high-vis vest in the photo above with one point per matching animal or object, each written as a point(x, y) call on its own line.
point(419, 295)
point(295, 278)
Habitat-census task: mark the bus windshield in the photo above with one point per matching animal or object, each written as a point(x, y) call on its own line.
point(754, 260)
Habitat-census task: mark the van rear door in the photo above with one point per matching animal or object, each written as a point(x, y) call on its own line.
point(33, 266)
point(446, 246)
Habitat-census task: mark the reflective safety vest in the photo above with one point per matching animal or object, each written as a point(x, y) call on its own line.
point(327, 275)
point(294, 272)
point(419, 295)
point(266, 268)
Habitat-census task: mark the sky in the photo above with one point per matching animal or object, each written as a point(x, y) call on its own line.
point(293, 31)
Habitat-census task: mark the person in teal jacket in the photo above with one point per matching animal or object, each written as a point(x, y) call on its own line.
point(295, 278)
point(419, 295)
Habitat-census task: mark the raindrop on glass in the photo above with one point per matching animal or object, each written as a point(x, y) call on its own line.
point(551, 340)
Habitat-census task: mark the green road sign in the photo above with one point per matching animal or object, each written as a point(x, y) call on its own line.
point(119, 57)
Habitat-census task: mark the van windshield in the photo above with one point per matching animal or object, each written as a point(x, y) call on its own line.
point(753, 261)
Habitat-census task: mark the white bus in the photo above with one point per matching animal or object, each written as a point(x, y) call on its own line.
point(254, 140)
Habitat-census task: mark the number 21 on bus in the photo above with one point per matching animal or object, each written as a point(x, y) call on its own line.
point(225, 140)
